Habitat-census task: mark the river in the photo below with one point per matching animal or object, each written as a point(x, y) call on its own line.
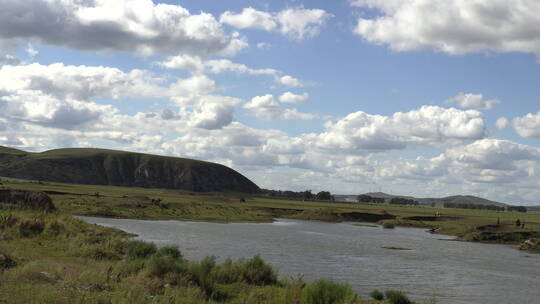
point(435, 266)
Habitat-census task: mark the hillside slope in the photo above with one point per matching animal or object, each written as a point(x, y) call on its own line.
point(119, 168)
point(461, 199)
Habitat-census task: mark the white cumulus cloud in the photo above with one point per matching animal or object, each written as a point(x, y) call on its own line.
point(453, 26)
point(297, 23)
point(289, 97)
point(266, 107)
point(429, 125)
point(528, 125)
point(121, 25)
point(290, 81)
point(249, 18)
point(472, 101)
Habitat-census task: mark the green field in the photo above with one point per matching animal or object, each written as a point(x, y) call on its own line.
point(60, 259)
point(143, 203)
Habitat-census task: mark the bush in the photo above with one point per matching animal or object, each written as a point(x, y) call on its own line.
point(397, 297)
point(55, 228)
point(377, 295)
point(139, 250)
point(327, 292)
point(160, 266)
point(388, 225)
point(257, 272)
point(229, 272)
point(204, 276)
point(170, 251)
point(31, 227)
point(130, 267)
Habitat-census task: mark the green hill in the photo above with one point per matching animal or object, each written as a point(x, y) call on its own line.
point(456, 199)
point(119, 168)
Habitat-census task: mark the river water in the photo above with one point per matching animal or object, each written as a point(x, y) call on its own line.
point(452, 272)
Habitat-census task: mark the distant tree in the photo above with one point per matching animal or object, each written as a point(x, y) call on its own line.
point(324, 196)
point(363, 198)
point(517, 208)
point(307, 195)
point(403, 201)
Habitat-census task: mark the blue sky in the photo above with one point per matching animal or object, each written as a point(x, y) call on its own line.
point(416, 97)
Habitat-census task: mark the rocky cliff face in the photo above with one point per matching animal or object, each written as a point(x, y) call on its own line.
point(105, 167)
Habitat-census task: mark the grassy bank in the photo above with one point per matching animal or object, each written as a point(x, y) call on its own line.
point(59, 259)
point(142, 203)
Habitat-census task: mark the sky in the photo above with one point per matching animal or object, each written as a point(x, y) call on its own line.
point(412, 97)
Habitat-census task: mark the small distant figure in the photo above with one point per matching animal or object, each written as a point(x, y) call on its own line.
point(523, 225)
point(518, 223)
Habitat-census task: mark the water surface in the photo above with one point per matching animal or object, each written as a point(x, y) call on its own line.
point(454, 272)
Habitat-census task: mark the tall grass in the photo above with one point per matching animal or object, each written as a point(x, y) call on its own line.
point(327, 292)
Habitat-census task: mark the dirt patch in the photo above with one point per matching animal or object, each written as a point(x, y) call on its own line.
point(280, 211)
point(27, 199)
point(432, 218)
point(6, 262)
point(62, 193)
point(365, 217)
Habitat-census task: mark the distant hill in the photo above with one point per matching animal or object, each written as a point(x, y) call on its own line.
point(467, 199)
point(119, 168)
point(533, 208)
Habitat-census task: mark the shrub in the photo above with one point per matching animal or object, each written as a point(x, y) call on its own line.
point(170, 251)
point(8, 221)
point(229, 272)
point(388, 225)
point(160, 266)
point(204, 275)
point(257, 272)
point(129, 267)
point(327, 292)
point(139, 249)
point(31, 227)
point(376, 295)
point(397, 297)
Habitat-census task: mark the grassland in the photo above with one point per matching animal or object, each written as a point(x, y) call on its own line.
point(143, 203)
point(55, 258)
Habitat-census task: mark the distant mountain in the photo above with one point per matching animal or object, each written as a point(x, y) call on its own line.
point(467, 199)
point(119, 168)
point(533, 208)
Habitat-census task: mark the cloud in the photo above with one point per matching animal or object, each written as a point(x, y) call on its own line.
point(528, 125)
point(289, 97)
point(493, 154)
point(123, 25)
point(472, 101)
point(195, 64)
point(429, 125)
point(290, 81)
point(79, 82)
point(9, 59)
point(225, 65)
point(502, 123)
point(63, 96)
point(455, 27)
point(33, 107)
point(267, 108)
point(297, 23)
point(249, 18)
point(302, 23)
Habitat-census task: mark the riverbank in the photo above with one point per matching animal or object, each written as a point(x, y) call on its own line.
point(55, 258)
point(164, 204)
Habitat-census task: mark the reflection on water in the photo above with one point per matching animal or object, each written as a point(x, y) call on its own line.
point(454, 272)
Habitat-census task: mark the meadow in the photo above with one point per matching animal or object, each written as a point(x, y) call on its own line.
point(145, 203)
point(56, 258)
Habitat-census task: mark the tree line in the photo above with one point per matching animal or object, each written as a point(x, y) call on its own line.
point(303, 195)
